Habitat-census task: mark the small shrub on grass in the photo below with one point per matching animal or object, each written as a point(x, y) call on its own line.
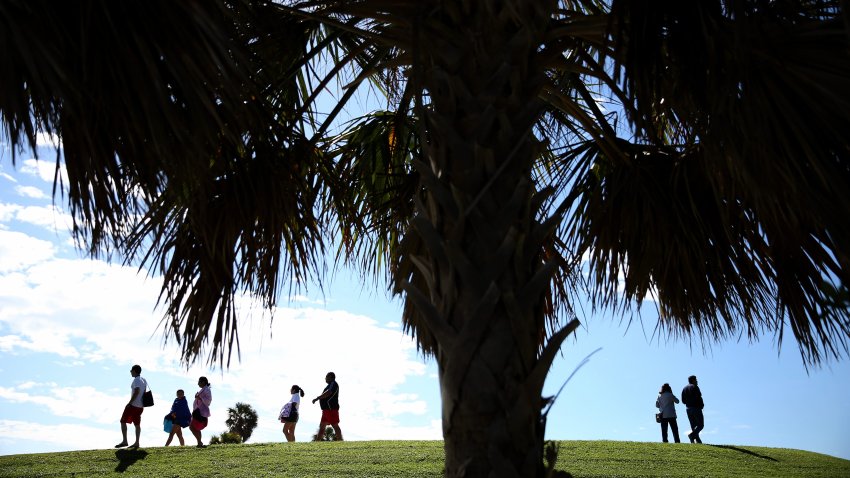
point(328, 435)
point(226, 438)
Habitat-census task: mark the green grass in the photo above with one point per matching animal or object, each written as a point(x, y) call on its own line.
point(584, 459)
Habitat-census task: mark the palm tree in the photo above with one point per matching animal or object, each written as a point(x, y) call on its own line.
point(690, 151)
point(241, 420)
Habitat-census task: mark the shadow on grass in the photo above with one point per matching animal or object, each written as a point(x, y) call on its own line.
point(745, 451)
point(128, 457)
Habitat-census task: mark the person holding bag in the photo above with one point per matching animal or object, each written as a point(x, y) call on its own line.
point(201, 410)
point(134, 408)
point(180, 417)
point(289, 413)
point(666, 404)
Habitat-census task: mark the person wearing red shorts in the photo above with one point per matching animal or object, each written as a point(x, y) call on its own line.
point(329, 402)
point(134, 408)
point(201, 410)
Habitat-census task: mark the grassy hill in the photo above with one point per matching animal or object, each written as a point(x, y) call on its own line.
point(584, 459)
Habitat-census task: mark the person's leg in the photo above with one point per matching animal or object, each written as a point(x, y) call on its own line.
point(197, 435)
point(170, 436)
point(123, 435)
point(179, 431)
point(699, 424)
point(125, 418)
point(138, 434)
point(693, 420)
point(333, 419)
point(675, 427)
point(664, 430)
point(321, 433)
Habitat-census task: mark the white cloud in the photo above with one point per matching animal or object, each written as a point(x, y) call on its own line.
point(19, 251)
point(31, 192)
point(44, 169)
point(49, 217)
point(8, 212)
point(66, 401)
point(43, 139)
point(59, 436)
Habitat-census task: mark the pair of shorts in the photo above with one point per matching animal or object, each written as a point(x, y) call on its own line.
point(132, 415)
point(198, 422)
point(330, 416)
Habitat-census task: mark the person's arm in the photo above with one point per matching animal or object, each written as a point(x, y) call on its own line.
point(326, 394)
point(206, 396)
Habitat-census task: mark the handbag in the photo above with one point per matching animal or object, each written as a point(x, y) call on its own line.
point(167, 424)
point(289, 413)
point(658, 417)
point(147, 399)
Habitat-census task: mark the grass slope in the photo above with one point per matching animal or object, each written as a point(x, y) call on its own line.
point(584, 459)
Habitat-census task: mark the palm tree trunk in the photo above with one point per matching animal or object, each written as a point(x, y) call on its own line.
point(487, 281)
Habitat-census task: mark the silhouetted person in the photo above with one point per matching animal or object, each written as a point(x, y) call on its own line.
point(329, 402)
point(201, 410)
point(289, 412)
point(692, 398)
point(180, 418)
point(666, 403)
point(134, 408)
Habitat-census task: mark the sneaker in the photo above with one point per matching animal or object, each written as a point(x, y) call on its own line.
point(201, 446)
point(121, 445)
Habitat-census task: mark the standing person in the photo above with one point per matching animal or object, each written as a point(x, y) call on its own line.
point(180, 417)
point(666, 404)
point(692, 398)
point(289, 412)
point(134, 408)
point(201, 410)
point(329, 403)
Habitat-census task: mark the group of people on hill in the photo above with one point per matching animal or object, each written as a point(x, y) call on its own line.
point(196, 420)
point(179, 415)
point(328, 402)
point(666, 404)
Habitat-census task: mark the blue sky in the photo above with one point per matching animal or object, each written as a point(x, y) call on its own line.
point(71, 328)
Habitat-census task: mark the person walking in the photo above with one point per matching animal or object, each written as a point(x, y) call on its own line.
point(692, 398)
point(134, 408)
point(289, 413)
point(201, 410)
point(666, 404)
point(180, 417)
point(329, 403)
